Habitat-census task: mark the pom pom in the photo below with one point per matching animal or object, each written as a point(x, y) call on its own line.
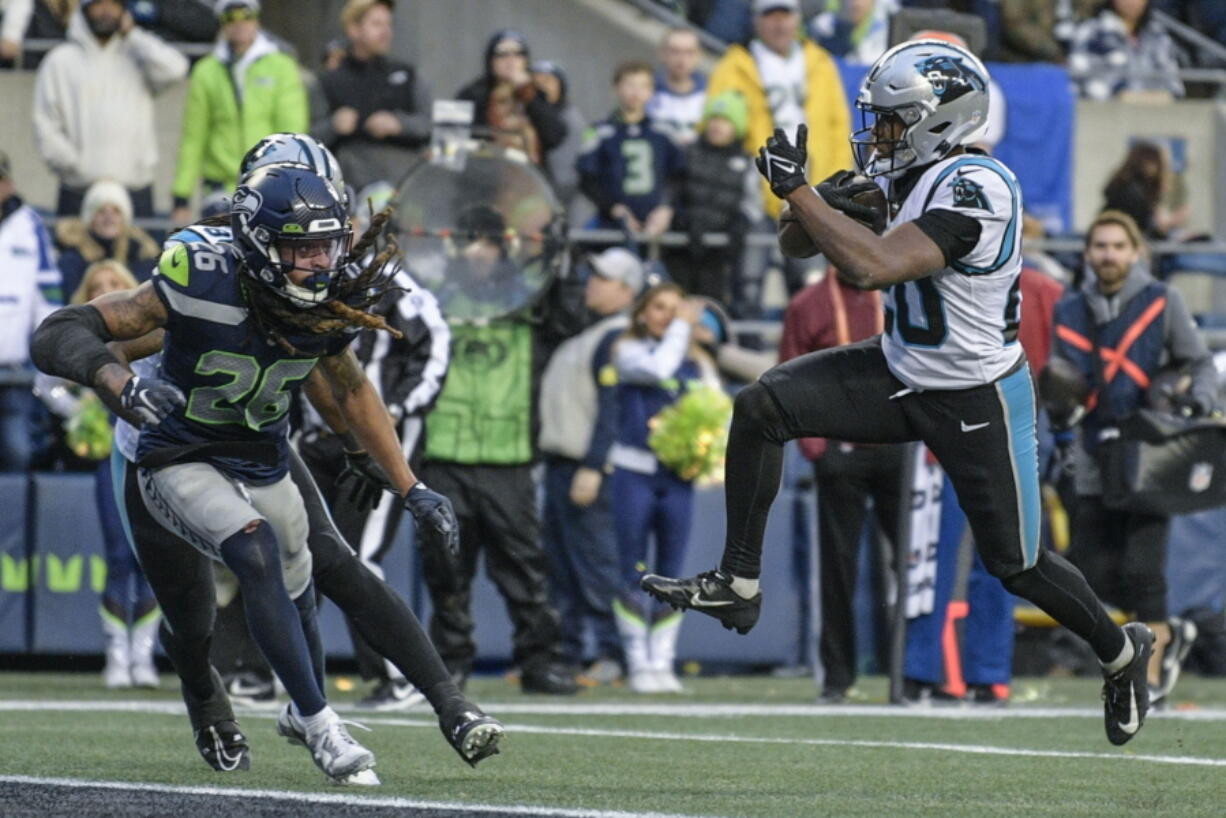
point(690, 436)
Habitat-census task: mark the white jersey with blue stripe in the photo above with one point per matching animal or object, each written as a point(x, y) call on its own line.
point(957, 328)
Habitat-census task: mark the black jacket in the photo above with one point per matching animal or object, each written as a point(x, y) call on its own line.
point(374, 85)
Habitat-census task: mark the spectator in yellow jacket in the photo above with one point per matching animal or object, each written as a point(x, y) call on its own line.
point(786, 81)
point(245, 90)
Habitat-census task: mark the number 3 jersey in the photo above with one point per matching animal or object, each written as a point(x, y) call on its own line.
point(957, 328)
point(238, 384)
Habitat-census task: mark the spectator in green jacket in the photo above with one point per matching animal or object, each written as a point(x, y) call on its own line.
point(246, 89)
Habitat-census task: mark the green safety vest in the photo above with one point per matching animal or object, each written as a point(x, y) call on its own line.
point(484, 413)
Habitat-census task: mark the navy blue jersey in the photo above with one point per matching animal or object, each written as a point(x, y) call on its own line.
point(629, 163)
point(237, 383)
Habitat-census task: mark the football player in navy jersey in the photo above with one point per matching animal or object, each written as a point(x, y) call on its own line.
point(245, 324)
point(948, 369)
point(378, 613)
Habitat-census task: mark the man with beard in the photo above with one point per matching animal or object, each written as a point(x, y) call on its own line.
point(1119, 330)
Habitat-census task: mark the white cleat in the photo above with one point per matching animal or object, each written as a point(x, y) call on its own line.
point(365, 778)
point(332, 748)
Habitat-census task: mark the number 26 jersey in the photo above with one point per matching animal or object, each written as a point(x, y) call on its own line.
point(957, 328)
point(237, 383)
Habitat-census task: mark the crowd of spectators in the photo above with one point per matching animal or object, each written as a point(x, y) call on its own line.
point(675, 153)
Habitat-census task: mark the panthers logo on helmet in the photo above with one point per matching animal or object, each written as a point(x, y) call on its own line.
point(968, 193)
point(950, 78)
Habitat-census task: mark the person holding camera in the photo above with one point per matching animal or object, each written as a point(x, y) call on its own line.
point(1118, 331)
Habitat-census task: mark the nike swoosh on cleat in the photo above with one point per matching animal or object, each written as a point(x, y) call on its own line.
point(975, 426)
point(1133, 724)
point(698, 602)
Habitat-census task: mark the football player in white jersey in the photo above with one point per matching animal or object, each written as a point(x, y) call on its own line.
point(948, 370)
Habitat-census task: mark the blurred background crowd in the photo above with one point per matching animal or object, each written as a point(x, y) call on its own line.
point(566, 421)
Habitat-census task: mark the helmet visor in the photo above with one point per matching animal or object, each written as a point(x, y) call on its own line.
point(310, 263)
point(880, 144)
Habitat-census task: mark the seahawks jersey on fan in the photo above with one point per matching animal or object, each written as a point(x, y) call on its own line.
point(237, 383)
point(957, 328)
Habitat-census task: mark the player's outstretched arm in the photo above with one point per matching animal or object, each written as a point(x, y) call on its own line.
point(365, 416)
point(370, 423)
point(72, 342)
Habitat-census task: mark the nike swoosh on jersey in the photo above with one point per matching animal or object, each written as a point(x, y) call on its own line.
point(698, 602)
point(975, 426)
point(1133, 724)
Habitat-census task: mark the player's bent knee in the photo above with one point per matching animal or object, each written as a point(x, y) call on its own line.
point(1018, 582)
point(755, 408)
point(252, 554)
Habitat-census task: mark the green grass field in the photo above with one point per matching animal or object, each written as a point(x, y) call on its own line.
point(740, 746)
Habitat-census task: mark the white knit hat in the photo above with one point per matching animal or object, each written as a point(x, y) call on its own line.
point(104, 192)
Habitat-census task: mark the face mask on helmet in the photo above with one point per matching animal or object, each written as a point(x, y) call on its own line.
point(881, 145)
point(310, 265)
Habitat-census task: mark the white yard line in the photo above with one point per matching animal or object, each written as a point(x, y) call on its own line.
point(692, 710)
point(679, 710)
point(332, 798)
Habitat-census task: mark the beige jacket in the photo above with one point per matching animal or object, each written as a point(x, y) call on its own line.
point(93, 105)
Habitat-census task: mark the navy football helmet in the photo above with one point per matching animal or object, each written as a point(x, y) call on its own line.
point(288, 221)
point(297, 149)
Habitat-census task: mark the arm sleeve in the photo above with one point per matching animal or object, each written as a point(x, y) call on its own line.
point(192, 136)
point(417, 121)
point(1187, 347)
point(50, 134)
point(640, 362)
point(160, 64)
point(71, 343)
point(430, 382)
point(956, 234)
point(980, 189)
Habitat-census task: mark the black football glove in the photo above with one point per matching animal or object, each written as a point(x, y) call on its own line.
point(438, 531)
point(365, 480)
point(782, 163)
point(150, 399)
point(840, 192)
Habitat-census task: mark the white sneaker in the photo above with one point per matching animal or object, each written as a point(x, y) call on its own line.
point(117, 672)
point(645, 681)
point(333, 749)
point(141, 640)
point(145, 674)
point(667, 682)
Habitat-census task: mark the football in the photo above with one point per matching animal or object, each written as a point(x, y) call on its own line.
point(794, 242)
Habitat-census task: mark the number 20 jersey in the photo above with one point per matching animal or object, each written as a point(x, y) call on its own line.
point(957, 328)
point(237, 383)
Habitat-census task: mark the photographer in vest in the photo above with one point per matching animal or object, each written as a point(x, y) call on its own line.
point(1119, 330)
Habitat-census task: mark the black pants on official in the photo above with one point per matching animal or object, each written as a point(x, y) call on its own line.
point(847, 476)
point(1123, 556)
point(496, 509)
point(324, 456)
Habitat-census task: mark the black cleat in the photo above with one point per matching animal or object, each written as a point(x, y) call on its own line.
point(224, 747)
point(1183, 634)
point(1126, 692)
point(710, 593)
point(473, 734)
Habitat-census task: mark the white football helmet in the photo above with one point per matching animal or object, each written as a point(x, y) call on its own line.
point(938, 91)
point(294, 150)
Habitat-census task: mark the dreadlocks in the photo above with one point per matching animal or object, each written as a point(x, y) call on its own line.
point(357, 290)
